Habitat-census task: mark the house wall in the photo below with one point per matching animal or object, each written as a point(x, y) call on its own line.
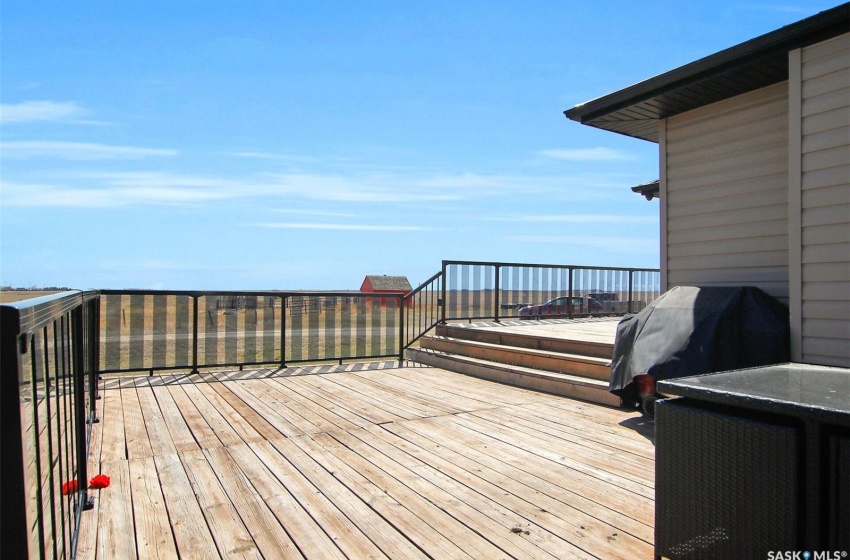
point(725, 192)
point(823, 133)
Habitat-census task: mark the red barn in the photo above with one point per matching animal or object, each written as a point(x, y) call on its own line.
point(383, 284)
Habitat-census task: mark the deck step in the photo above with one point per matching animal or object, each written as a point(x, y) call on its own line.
point(533, 341)
point(573, 386)
point(547, 360)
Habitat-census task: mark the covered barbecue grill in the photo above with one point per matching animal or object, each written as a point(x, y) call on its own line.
point(691, 331)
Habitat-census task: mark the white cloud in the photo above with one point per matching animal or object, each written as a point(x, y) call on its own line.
point(340, 227)
point(272, 156)
point(23, 194)
point(40, 111)
point(589, 154)
point(31, 194)
point(155, 179)
point(370, 188)
point(466, 181)
point(116, 188)
point(77, 151)
point(322, 213)
point(576, 219)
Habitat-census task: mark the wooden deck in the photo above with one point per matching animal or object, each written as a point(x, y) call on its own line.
point(364, 461)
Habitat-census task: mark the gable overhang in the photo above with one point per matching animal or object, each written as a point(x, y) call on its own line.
point(757, 63)
point(648, 190)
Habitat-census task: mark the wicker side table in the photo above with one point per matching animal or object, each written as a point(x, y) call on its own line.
point(753, 461)
point(726, 485)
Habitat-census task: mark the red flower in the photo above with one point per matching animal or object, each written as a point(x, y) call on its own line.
point(70, 487)
point(99, 481)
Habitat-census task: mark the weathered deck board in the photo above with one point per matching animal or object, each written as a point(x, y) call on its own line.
point(410, 522)
point(160, 441)
point(178, 428)
point(345, 535)
point(153, 534)
point(270, 536)
point(113, 447)
point(385, 536)
point(135, 428)
point(232, 537)
point(116, 514)
point(553, 490)
point(468, 506)
point(191, 532)
point(351, 400)
point(257, 422)
point(360, 462)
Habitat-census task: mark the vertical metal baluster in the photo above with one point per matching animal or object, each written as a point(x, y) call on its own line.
point(85, 502)
point(283, 332)
point(497, 291)
point(401, 302)
point(194, 334)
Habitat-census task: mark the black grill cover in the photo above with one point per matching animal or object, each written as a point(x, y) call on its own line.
point(690, 331)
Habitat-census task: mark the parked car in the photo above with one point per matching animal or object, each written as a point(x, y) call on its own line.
point(611, 302)
point(563, 305)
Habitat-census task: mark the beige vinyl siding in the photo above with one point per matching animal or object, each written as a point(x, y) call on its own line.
point(726, 175)
point(825, 202)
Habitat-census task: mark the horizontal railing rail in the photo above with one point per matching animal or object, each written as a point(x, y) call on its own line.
point(48, 386)
point(493, 291)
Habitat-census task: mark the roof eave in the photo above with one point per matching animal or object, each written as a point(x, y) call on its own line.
point(649, 190)
point(766, 49)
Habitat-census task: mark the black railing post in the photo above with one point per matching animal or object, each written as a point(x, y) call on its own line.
point(194, 334)
point(91, 352)
point(401, 303)
point(631, 291)
point(14, 533)
point(282, 331)
point(78, 370)
point(442, 300)
point(497, 290)
point(409, 318)
point(570, 291)
point(94, 357)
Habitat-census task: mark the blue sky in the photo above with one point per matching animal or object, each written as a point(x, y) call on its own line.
point(302, 145)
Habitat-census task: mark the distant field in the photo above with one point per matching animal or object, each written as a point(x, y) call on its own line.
point(18, 295)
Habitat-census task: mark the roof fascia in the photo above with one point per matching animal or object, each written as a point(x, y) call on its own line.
point(819, 27)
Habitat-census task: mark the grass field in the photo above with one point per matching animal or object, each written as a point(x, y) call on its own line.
point(19, 295)
point(140, 332)
point(154, 331)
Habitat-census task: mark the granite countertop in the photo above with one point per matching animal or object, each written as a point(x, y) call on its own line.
point(816, 392)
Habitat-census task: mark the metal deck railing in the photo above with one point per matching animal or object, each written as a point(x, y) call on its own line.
point(54, 349)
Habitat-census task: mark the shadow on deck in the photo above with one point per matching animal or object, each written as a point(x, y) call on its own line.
point(370, 460)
